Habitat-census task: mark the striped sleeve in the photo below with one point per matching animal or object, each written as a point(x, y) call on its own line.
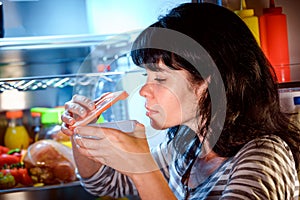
point(263, 169)
point(109, 182)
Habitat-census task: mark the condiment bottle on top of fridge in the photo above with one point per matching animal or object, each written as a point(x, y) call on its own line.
point(247, 15)
point(16, 135)
point(274, 40)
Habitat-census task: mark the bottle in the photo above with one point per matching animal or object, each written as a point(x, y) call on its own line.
point(50, 121)
point(36, 125)
point(16, 135)
point(274, 40)
point(247, 15)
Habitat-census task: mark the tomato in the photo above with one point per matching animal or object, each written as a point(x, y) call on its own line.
point(6, 159)
point(15, 173)
point(20, 175)
point(25, 179)
point(5, 171)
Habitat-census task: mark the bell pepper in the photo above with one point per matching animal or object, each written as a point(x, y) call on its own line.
point(3, 150)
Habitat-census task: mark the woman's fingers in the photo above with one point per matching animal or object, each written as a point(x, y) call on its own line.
point(79, 106)
point(65, 129)
point(67, 118)
point(89, 131)
point(75, 109)
point(83, 101)
point(92, 147)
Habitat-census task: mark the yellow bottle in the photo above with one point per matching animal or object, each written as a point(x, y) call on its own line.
point(247, 15)
point(16, 135)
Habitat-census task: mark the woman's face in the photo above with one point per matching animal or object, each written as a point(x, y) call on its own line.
point(170, 99)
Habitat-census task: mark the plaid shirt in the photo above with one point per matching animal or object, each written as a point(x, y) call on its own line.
point(265, 171)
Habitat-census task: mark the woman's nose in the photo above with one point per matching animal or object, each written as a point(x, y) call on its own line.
point(146, 90)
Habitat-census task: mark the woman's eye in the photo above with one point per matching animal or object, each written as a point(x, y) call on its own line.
point(145, 74)
point(160, 79)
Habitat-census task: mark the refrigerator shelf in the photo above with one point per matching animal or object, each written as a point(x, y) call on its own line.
point(56, 81)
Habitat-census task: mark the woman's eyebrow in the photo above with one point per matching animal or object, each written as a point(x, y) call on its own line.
point(158, 68)
point(164, 69)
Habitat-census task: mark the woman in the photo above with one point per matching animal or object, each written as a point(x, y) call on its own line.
point(227, 138)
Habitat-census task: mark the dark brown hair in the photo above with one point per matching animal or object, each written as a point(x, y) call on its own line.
point(250, 83)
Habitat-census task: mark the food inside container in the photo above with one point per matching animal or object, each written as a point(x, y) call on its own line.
point(50, 162)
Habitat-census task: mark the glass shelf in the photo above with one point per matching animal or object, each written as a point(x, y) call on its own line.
point(57, 81)
point(27, 62)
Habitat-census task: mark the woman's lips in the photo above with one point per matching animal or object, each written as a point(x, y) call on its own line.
point(150, 112)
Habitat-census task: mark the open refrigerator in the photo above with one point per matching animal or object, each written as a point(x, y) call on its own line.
point(48, 71)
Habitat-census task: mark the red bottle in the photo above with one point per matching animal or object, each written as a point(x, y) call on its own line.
point(274, 40)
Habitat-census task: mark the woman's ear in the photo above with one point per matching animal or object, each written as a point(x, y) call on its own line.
point(203, 87)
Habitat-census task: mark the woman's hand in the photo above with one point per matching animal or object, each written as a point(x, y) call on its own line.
point(128, 153)
point(75, 109)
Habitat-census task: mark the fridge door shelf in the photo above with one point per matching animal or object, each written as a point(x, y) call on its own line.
point(62, 191)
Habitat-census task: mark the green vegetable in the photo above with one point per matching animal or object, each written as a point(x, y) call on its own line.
point(7, 181)
point(12, 151)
